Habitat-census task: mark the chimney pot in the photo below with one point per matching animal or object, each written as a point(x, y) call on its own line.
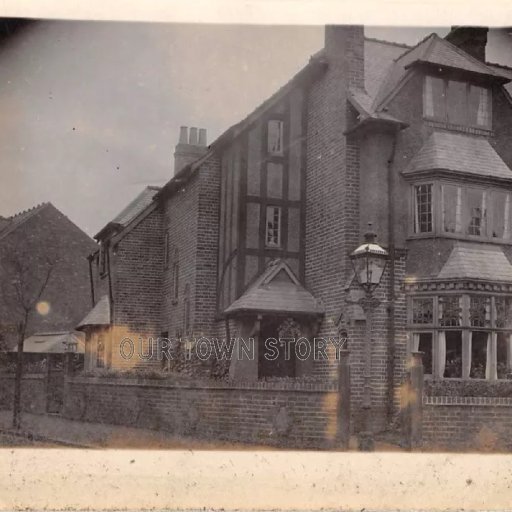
point(193, 137)
point(202, 137)
point(183, 135)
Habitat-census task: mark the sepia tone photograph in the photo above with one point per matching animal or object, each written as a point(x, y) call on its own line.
point(242, 237)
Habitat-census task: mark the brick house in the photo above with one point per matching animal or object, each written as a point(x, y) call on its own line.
point(252, 235)
point(32, 243)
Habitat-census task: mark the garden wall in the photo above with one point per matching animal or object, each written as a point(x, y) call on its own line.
point(33, 392)
point(284, 413)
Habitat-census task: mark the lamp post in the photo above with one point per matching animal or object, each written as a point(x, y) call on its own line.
point(369, 261)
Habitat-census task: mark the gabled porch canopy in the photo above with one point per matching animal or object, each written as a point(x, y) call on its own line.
point(275, 291)
point(99, 314)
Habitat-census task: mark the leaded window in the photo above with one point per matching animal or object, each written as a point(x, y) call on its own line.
point(480, 311)
point(450, 311)
point(423, 311)
point(423, 208)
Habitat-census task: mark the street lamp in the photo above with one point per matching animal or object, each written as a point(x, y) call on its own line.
point(369, 261)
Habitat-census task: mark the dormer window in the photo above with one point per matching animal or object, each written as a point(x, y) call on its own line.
point(275, 137)
point(458, 103)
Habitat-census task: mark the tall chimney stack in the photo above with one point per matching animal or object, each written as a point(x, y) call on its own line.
point(190, 147)
point(472, 40)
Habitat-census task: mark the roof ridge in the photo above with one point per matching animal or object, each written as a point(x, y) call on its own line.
point(498, 65)
point(414, 47)
point(383, 41)
point(27, 210)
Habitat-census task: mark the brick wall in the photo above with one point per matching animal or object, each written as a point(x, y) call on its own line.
point(137, 266)
point(467, 423)
point(33, 393)
point(286, 414)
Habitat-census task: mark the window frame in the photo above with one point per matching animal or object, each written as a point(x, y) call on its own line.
point(445, 81)
point(465, 328)
point(278, 244)
point(438, 184)
point(280, 152)
point(415, 186)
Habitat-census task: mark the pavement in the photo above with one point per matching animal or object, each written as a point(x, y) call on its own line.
point(52, 428)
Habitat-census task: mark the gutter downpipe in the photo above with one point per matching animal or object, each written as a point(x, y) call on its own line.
point(391, 308)
point(91, 280)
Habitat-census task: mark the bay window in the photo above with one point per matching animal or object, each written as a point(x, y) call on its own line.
point(457, 102)
point(463, 336)
point(470, 211)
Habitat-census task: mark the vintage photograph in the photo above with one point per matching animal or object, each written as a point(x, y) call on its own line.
point(255, 237)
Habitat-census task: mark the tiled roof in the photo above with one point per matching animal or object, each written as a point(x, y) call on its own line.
point(459, 152)
point(433, 50)
point(9, 224)
point(505, 71)
point(477, 261)
point(277, 290)
point(99, 314)
point(136, 206)
point(52, 343)
point(379, 56)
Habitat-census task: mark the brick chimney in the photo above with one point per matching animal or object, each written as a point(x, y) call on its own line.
point(190, 147)
point(344, 50)
point(472, 40)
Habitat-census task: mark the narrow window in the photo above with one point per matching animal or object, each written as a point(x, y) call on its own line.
point(273, 234)
point(422, 342)
point(480, 349)
point(100, 352)
point(450, 311)
point(456, 100)
point(275, 137)
point(498, 222)
point(479, 106)
point(423, 208)
point(453, 358)
point(477, 212)
point(434, 104)
point(480, 311)
point(503, 355)
point(452, 209)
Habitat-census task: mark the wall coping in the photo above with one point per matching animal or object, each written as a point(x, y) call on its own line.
point(34, 376)
point(492, 401)
point(306, 387)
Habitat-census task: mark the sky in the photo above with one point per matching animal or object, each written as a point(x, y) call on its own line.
point(91, 110)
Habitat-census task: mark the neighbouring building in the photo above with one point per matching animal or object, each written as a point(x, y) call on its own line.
point(252, 235)
point(43, 270)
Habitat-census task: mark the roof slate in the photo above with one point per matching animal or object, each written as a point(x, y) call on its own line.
point(477, 261)
point(277, 289)
point(136, 206)
point(98, 315)
point(458, 152)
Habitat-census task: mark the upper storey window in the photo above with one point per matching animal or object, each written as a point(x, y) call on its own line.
point(423, 213)
point(456, 102)
point(275, 137)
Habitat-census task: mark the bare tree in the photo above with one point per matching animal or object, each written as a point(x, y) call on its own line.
point(25, 278)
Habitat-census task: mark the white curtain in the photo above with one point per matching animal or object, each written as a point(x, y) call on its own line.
point(483, 227)
point(481, 116)
point(429, 98)
point(415, 342)
point(441, 340)
point(458, 211)
point(416, 211)
point(467, 370)
point(509, 353)
point(490, 367)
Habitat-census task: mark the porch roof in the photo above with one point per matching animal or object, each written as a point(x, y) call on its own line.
point(277, 290)
point(99, 314)
point(52, 343)
point(477, 261)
